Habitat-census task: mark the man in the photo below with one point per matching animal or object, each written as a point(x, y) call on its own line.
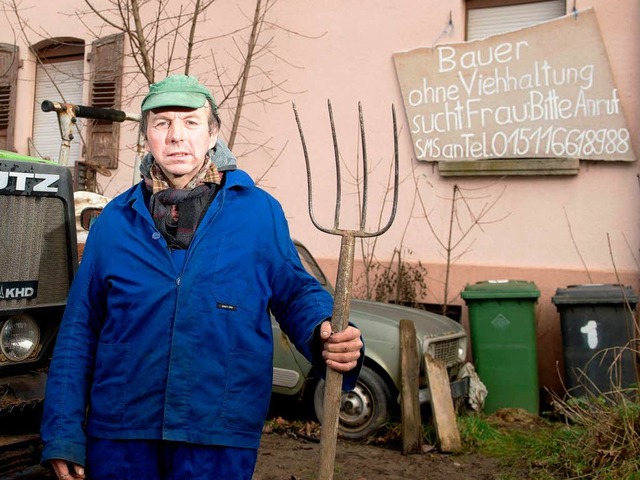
point(163, 363)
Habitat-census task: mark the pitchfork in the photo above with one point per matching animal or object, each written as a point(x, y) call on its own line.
point(342, 300)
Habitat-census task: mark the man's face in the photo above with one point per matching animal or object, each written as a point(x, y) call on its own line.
point(179, 139)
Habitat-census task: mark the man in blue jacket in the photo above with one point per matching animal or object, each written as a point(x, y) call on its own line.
point(163, 363)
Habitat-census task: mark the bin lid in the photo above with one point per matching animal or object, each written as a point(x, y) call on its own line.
point(489, 289)
point(590, 293)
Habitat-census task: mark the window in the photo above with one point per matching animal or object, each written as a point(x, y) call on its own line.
point(490, 17)
point(59, 77)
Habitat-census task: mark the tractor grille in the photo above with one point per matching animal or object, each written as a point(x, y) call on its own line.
point(34, 248)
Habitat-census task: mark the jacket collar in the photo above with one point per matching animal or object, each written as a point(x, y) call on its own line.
point(234, 179)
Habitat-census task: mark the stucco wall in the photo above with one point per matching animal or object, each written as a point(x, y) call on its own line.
point(550, 230)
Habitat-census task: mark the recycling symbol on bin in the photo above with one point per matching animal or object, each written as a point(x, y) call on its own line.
point(500, 322)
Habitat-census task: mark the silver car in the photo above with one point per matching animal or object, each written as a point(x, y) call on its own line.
point(375, 398)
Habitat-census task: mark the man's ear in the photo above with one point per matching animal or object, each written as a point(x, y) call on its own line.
point(214, 140)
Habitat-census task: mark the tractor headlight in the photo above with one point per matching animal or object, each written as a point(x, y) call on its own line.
point(19, 337)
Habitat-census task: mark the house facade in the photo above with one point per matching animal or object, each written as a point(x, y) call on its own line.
point(518, 125)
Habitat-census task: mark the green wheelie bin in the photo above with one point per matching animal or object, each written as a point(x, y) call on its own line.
point(503, 340)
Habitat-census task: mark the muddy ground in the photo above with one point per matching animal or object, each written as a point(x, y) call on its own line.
point(282, 457)
point(290, 449)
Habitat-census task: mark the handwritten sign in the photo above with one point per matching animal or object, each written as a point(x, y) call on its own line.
point(542, 92)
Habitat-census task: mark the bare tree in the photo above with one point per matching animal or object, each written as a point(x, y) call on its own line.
point(465, 216)
point(250, 80)
point(397, 280)
point(164, 38)
point(149, 25)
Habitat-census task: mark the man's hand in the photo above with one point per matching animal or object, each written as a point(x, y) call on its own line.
point(61, 469)
point(341, 350)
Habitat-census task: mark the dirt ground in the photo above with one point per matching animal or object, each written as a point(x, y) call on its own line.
point(285, 457)
point(290, 450)
point(282, 457)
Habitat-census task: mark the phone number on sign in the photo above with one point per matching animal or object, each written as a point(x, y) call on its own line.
point(548, 141)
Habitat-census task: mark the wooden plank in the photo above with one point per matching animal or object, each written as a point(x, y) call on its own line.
point(444, 415)
point(411, 431)
point(501, 167)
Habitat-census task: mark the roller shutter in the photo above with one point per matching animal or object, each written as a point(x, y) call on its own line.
point(486, 21)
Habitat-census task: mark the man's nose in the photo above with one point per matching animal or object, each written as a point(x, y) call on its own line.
point(176, 131)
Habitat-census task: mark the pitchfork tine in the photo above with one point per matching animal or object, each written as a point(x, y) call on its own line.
point(365, 176)
point(395, 174)
point(336, 153)
point(309, 183)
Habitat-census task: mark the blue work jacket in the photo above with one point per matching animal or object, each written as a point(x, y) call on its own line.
point(150, 351)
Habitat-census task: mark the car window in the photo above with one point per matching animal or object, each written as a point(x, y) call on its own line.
point(312, 267)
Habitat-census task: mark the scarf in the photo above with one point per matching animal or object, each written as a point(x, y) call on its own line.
point(177, 212)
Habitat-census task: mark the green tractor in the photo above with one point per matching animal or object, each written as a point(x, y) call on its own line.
point(38, 258)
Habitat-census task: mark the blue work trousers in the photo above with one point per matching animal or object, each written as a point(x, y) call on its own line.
point(162, 460)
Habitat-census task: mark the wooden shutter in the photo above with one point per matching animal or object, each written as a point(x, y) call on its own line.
point(8, 80)
point(105, 91)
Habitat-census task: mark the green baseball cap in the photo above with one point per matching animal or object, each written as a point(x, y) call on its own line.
point(178, 91)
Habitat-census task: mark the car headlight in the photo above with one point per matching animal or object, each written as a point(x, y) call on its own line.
point(462, 349)
point(19, 337)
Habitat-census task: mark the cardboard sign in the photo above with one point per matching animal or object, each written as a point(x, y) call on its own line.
point(541, 92)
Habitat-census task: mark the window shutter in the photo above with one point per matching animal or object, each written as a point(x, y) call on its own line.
point(484, 22)
point(105, 92)
point(8, 80)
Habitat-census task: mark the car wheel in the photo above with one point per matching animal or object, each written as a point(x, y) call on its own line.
point(363, 410)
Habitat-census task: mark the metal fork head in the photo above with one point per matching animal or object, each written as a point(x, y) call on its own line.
point(361, 231)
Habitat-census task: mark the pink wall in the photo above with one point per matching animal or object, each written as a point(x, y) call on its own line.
point(546, 229)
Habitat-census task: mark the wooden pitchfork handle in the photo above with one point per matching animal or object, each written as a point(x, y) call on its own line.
point(333, 379)
point(344, 283)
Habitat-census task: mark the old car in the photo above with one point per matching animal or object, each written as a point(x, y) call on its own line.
point(376, 396)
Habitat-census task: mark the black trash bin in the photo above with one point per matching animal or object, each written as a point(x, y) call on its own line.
point(597, 326)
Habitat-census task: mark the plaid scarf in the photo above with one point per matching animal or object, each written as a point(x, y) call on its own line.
point(176, 211)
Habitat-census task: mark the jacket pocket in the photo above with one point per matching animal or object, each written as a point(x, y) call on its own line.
point(108, 392)
point(248, 390)
point(231, 300)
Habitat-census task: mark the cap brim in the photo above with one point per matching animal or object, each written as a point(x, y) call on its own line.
point(174, 99)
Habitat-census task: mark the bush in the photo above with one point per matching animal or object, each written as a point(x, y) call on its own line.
point(607, 435)
point(597, 439)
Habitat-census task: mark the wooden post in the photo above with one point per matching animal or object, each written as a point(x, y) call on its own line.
point(409, 399)
point(444, 415)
